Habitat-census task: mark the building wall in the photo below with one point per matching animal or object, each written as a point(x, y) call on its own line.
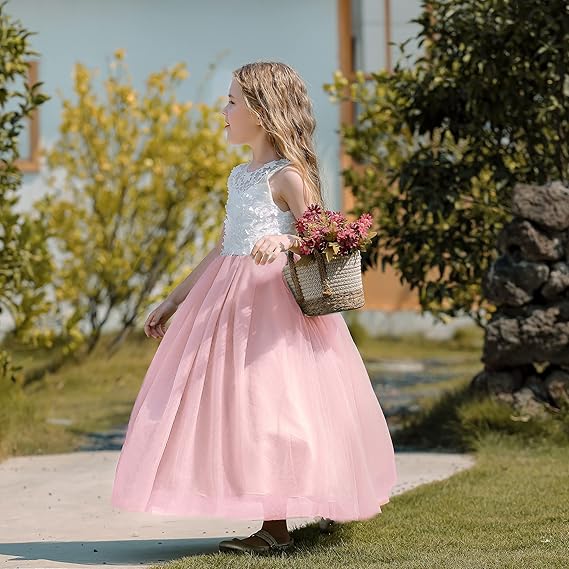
point(376, 29)
point(302, 33)
point(157, 34)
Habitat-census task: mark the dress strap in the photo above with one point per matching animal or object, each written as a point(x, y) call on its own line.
point(268, 166)
point(243, 178)
point(276, 166)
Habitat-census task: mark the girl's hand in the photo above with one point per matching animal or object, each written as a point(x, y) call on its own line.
point(268, 247)
point(156, 321)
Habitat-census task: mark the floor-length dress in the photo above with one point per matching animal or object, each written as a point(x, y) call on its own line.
point(250, 409)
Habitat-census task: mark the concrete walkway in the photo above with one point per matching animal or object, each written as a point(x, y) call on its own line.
point(56, 512)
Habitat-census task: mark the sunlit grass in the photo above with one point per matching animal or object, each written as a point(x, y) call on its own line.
point(458, 418)
point(508, 511)
point(96, 394)
point(465, 344)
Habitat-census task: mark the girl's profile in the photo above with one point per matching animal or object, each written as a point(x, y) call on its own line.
point(250, 409)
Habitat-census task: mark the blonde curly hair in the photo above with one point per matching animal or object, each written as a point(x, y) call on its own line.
point(277, 95)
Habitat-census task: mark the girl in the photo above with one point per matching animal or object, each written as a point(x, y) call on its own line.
point(250, 409)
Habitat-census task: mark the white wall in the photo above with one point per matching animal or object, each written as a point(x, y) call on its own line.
point(368, 25)
point(155, 34)
point(402, 11)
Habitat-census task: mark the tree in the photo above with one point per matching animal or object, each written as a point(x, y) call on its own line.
point(439, 146)
point(24, 260)
point(142, 194)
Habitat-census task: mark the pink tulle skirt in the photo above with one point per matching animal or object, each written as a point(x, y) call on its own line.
point(252, 410)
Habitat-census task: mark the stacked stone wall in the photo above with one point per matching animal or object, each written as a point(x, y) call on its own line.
point(526, 348)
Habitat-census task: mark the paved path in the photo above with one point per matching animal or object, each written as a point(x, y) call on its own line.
point(56, 512)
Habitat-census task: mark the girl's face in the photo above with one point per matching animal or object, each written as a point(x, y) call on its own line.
point(242, 126)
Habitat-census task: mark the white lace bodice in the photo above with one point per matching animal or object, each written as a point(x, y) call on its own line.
point(250, 209)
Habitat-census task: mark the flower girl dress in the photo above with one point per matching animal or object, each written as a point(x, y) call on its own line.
point(250, 409)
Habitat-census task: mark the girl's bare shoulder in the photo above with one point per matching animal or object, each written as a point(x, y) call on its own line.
point(286, 179)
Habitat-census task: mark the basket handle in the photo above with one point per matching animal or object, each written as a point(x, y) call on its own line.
point(326, 289)
point(291, 264)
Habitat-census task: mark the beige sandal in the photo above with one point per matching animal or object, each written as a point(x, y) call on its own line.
point(237, 545)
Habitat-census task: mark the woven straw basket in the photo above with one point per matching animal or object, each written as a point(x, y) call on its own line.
point(321, 287)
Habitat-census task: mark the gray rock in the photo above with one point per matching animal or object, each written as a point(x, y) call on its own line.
point(526, 345)
point(523, 241)
point(547, 205)
point(557, 386)
point(557, 283)
point(526, 402)
point(533, 334)
point(513, 283)
point(498, 382)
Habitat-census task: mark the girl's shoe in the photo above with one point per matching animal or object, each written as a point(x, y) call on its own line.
point(237, 545)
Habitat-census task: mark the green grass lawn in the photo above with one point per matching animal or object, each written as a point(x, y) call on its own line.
point(95, 395)
point(98, 393)
point(465, 345)
point(510, 510)
point(458, 419)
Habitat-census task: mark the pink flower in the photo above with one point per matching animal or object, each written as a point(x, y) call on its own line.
point(348, 238)
point(320, 227)
point(362, 224)
point(313, 212)
point(338, 218)
point(366, 220)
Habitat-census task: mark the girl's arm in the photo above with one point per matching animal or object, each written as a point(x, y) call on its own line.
point(181, 291)
point(289, 187)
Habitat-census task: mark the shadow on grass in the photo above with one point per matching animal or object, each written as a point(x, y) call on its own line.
point(309, 536)
point(461, 417)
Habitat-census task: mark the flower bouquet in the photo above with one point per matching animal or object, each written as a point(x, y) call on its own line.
point(327, 277)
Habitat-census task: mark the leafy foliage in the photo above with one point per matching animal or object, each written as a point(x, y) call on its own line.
point(438, 146)
point(24, 260)
point(141, 195)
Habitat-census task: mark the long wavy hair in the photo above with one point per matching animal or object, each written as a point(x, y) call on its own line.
point(277, 95)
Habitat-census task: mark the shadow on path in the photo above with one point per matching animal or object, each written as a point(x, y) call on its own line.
point(96, 553)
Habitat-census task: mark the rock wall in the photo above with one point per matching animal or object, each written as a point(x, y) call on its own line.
point(526, 348)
